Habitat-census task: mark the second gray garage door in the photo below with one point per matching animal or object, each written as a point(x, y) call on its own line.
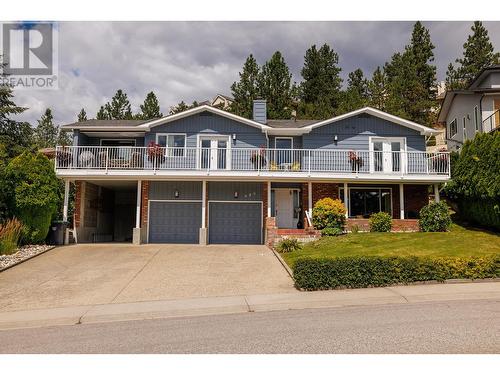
point(235, 223)
point(174, 222)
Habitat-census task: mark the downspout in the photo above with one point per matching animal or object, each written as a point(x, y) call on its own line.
point(481, 112)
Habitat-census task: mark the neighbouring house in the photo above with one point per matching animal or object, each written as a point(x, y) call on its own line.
point(220, 101)
point(208, 176)
point(474, 110)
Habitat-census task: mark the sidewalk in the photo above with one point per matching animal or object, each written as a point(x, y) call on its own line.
point(252, 303)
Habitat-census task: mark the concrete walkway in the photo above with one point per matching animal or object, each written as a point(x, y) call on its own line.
point(248, 303)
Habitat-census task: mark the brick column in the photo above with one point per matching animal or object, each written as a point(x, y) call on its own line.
point(304, 196)
point(77, 214)
point(271, 231)
point(144, 203)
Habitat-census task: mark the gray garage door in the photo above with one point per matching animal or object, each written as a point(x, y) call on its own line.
point(174, 222)
point(235, 223)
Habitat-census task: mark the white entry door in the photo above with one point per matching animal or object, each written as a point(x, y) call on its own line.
point(213, 153)
point(284, 208)
point(386, 154)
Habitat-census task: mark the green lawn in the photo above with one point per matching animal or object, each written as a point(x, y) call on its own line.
point(460, 241)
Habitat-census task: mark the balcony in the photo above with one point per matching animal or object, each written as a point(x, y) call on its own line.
point(234, 162)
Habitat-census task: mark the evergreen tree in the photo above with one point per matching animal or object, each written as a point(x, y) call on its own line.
point(377, 90)
point(411, 79)
point(82, 116)
point(275, 85)
point(246, 89)
point(150, 109)
point(14, 136)
point(320, 90)
point(63, 138)
point(46, 133)
point(356, 94)
point(478, 54)
point(118, 109)
point(181, 107)
point(102, 114)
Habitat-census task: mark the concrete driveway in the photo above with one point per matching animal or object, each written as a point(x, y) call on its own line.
point(116, 273)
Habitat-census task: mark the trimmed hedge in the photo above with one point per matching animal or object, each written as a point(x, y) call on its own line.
point(374, 271)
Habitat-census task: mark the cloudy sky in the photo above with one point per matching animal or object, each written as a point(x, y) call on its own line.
point(196, 60)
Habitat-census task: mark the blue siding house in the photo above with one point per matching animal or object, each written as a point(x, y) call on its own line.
point(208, 176)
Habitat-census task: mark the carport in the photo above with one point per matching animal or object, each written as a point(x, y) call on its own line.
point(105, 211)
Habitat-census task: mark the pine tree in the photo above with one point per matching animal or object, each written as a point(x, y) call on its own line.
point(181, 107)
point(102, 114)
point(118, 109)
point(63, 138)
point(478, 54)
point(356, 94)
point(82, 116)
point(320, 90)
point(246, 89)
point(150, 109)
point(411, 79)
point(46, 133)
point(377, 90)
point(275, 85)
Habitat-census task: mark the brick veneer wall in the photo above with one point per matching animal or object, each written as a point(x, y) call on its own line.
point(324, 190)
point(144, 202)
point(78, 204)
point(398, 225)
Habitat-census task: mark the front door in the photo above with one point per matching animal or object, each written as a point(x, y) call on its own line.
point(284, 208)
point(213, 152)
point(386, 156)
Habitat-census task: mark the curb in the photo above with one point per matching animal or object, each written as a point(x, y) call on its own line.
point(283, 263)
point(26, 259)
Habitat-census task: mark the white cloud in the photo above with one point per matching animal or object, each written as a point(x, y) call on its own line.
point(196, 60)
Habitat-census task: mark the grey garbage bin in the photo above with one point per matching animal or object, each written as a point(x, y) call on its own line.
point(57, 232)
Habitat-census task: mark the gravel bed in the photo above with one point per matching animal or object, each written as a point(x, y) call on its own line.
point(21, 254)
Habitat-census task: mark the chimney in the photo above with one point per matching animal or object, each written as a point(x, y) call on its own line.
point(260, 111)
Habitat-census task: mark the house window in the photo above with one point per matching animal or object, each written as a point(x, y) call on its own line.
point(476, 118)
point(464, 128)
point(453, 128)
point(366, 201)
point(175, 143)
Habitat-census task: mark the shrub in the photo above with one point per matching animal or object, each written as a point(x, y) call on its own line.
point(329, 213)
point(331, 232)
point(435, 217)
point(362, 272)
point(355, 228)
point(287, 245)
point(380, 222)
point(484, 212)
point(34, 194)
point(10, 233)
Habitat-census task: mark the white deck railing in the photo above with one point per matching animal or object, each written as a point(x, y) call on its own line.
point(252, 159)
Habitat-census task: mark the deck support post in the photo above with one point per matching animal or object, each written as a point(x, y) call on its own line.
point(401, 201)
point(269, 199)
point(346, 199)
point(203, 229)
point(136, 232)
point(66, 200)
point(310, 198)
point(436, 193)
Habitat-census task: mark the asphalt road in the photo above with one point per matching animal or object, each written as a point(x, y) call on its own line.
point(440, 327)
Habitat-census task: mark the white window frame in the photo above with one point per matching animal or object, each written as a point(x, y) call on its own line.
point(456, 127)
point(290, 138)
point(464, 130)
point(476, 118)
point(341, 188)
point(168, 152)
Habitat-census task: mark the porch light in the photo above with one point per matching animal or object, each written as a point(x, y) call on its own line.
point(335, 139)
point(234, 137)
point(176, 194)
point(236, 195)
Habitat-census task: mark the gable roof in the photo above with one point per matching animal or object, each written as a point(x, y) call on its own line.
point(203, 108)
point(482, 75)
point(423, 130)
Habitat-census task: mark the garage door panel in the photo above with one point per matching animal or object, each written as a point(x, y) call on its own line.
point(235, 223)
point(174, 222)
